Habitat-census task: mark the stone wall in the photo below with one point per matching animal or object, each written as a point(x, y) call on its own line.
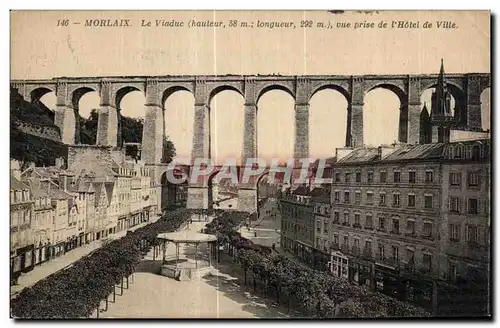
point(42, 131)
point(89, 157)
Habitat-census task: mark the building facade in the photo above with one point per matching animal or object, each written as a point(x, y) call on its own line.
point(21, 240)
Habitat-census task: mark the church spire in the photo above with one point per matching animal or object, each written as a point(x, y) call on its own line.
point(441, 85)
point(441, 97)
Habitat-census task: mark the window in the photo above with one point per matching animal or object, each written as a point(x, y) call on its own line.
point(357, 197)
point(395, 253)
point(382, 198)
point(369, 221)
point(337, 196)
point(455, 179)
point(357, 219)
point(358, 176)
point(337, 177)
point(383, 176)
point(325, 226)
point(473, 179)
point(346, 218)
point(356, 243)
point(346, 240)
point(472, 234)
point(395, 226)
point(412, 177)
point(369, 197)
point(427, 262)
point(346, 197)
point(381, 224)
point(336, 239)
point(395, 200)
point(429, 176)
point(452, 271)
point(370, 177)
point(410, 253)
point(411, 200)
point(397, 176)
point(318, 226)
point(368, 247)
point(427, 229)
point(410, 227)
point(455, 204)
point(428, 201)
point(454, 232)
point(347, 177)
point(472, 205)
point(336, 217)
point(381, 252)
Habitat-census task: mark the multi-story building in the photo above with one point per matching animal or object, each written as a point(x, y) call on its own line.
point(61, 202)
point(21, 241)
point(465, 258)
point(43, 216)
point(123, 188)
point(385, 214)
point(102, 200)
point(54, 210)
point(399, 222)
point(297, 223)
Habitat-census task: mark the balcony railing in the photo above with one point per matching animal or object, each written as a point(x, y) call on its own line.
point(427, 237)
point(369, 227)
point(356, 225)
point(367, 253)
point(392, 262)
point(345, 224)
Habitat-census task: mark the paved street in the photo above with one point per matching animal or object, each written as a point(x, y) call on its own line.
point(46, 269)
point(267, 227)
point(220, 295)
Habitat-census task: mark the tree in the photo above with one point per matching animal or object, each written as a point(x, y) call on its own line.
point(88, 128)
point(168, 150)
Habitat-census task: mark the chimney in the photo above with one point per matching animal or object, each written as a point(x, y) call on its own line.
point(15, 169)
point(383, 151)
point(64, 181)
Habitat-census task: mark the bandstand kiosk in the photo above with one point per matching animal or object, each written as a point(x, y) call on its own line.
point(186, 266)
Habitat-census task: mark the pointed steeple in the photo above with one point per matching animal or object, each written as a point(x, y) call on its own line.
point(441, 85)
point(441, 97)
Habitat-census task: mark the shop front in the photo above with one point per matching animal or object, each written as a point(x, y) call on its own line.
point(339, 264)
point(41, 254)
point(360, 272)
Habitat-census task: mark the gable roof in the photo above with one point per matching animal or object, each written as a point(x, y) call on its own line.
point(15, 184)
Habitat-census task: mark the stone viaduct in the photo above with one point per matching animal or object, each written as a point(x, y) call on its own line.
point(465, 88)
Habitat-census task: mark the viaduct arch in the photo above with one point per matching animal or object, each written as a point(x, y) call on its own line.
point(466, 89)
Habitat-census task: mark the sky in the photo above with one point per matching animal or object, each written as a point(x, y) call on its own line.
point(41, 49)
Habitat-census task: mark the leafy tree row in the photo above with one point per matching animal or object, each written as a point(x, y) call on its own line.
point(318, 293)
point(77, 291)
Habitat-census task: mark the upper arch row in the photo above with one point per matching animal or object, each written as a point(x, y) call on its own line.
point(203, 92)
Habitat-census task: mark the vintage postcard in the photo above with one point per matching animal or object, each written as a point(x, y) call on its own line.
point(250, 164)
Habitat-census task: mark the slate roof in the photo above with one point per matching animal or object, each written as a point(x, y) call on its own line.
point(407, 152)
point(401, 152)
point(301, 191)
point(360, 155)
point(15, 184)
point(38, 193)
